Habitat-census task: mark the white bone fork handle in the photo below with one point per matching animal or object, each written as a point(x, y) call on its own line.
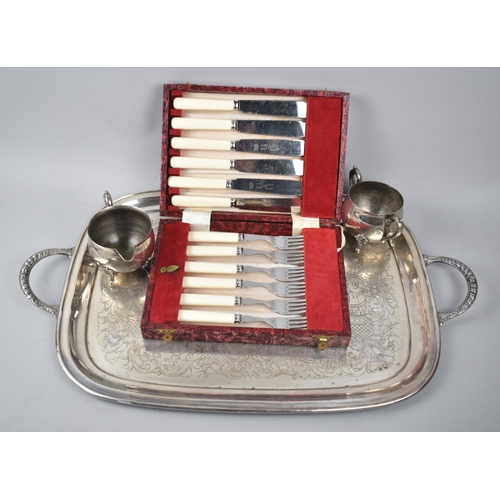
point(189, 316)
point(222, 283)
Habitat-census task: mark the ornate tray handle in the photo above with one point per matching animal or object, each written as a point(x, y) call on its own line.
point(24, 277)
point(470, 278)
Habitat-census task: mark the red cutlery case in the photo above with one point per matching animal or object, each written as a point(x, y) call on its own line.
point(317, 219)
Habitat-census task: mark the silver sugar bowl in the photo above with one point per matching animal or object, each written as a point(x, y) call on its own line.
point(372, 211)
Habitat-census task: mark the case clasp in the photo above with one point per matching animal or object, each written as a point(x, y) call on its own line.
point(168, 334)
point(322, 341)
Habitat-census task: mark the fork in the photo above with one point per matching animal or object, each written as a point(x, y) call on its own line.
point(284, 290)
point(229, 318)
point(295, 257)
point(280, 242)
point(283, 306)
point(278, 273)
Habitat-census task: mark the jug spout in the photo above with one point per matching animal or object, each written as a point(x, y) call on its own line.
point(126, 254)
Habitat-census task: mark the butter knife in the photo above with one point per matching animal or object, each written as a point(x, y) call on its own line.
point(273, 186)
point(280, 128)
point(274, 167)
point(297, 109)
point(279, 147)
point(263, 204)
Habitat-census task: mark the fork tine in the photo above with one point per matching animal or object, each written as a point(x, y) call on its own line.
point(280, 306)
point(280, 242)
point(295, 309)
point(278, 273)
point(297, 306)
point(296, 326)
point(284, 290)
point(294, 260)
point(296, 286)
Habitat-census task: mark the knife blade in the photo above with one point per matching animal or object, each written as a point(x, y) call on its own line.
point(280, 128)
point(275, 167)
point(279, 147)
point(261, 204)
point(297, 109)
point(274, 186)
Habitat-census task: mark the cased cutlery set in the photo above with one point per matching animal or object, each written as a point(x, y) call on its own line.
point(248, 245)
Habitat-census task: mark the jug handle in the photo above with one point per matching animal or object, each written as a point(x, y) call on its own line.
point(355, 176)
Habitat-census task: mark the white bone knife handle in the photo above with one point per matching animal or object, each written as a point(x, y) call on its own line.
point(200, 201)
point(213, 237)
point(201, 124)
point(200, 163)
point(188, 316)
point(206, 144)
point(211, 251)
point(196, 182)
point(210, 268)
point(220, 283)
point(186, 103)
point(201, 299)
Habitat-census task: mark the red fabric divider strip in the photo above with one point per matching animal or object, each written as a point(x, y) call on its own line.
point(168, 285)
point(323, 292)
point(173, 191)
point(321, 157)
point(274, 225)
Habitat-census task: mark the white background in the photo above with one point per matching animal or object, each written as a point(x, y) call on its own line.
point(424, 117)
point(69, 134)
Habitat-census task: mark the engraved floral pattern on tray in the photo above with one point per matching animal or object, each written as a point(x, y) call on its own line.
point(377, 319)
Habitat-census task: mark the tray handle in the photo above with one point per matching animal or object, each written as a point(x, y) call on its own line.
point(470, 278)
point(24, 277)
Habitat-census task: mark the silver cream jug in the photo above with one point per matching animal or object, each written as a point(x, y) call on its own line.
point(120, 238)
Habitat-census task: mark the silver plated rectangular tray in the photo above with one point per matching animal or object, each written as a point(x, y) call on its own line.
point(393, 352)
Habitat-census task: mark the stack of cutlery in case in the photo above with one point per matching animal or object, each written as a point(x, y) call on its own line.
point(249, 246)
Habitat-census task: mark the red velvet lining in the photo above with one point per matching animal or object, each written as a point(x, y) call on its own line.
point(321, 157)
point(168, 286)
point(323, 292)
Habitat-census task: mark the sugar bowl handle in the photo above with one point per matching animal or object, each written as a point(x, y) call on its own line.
point(470, 278)
point(355, 176)
point(393, 228)
point(24, 277)
point(108, 201)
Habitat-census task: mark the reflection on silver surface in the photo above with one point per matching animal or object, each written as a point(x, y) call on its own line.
point(393, 351)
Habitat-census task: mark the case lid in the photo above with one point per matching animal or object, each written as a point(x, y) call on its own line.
point(324, 143)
